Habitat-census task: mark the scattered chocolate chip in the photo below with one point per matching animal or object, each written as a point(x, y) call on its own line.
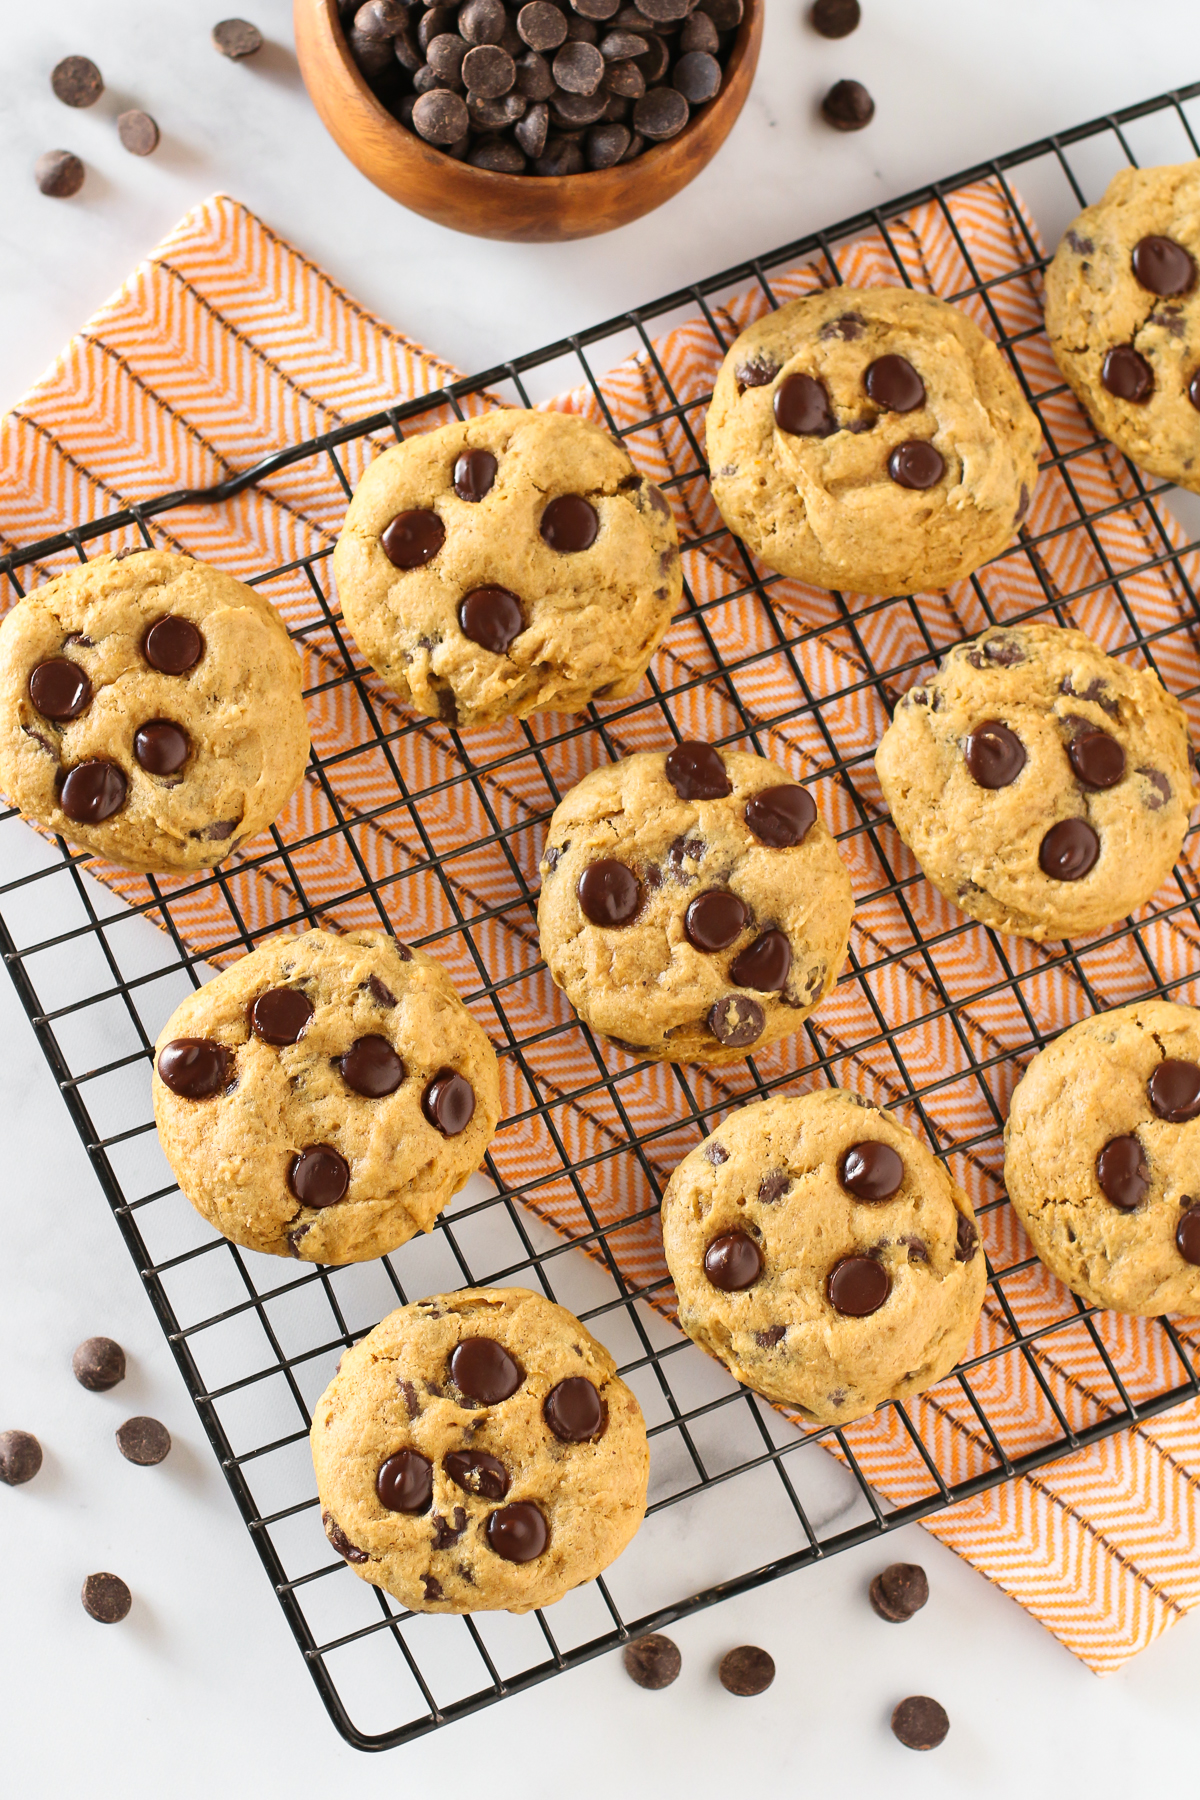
point(379, 991)
point(1070, 850)
point(98, 1364)
point(605, 145)
point(1127, 375)
point(699, 33)
point(58, 173)
point(218, 832)
point(746, 1670)
point(542, 26)
point(920, 1723)
point(93, 791)
point(899, 1592)
point(652, 1661)
point(1082, 246)
point(341, 1543)
point(405, 1482)
point(280, 1015)
point(106, 1598)
point(562, 156)
point(609, 892)
point(448, 1102)
point(697, 772)
point(1160, 788)
point(414, 538)
point(371, 1067)
point(318, 1176)
point(76, 81)
point(237, 38)
point(138, 133)
point(173, 645)
point(491, 617)
point(448, 1531)
point(773, 1335)
point(918, 1249)
point(518, 1533)
point(714, 920)
point(1194, 390)
point(20, 1457)
point(758, 371)
point(994, 755)
point(697, 76)
point(893, 383)
point(733, 1261)
point(143, 1440)
point(194, 1068)
point(763, 965)
point(1174, 1090)
point(835, 18)
point(1004, 653)
point(482, 1370)
point(574, 1411)
point(871, 1171)
point(848, 106)
point(966, 1239)
point(715, 1153)
point(1096, 757)
point(1123, 1173)
point(578, 68)
point(781, 817)
point(477, 1473)
point(531, 131)
point(772, 1187)
point(857, 1286)
point(475, 470)
point(488, 71)
point(916, 464)
point(661, 113)
point(663, 12)
point(161, 747)
point(433, 1587)
point(736, 1021)
point(60, 689)
point(1163, 266)
point(1187, 1234)
point(801, 407)
point(570, 524)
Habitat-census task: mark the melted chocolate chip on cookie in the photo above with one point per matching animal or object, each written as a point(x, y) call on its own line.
point(1127, 375)
point(574, 1411)
point(733, 1261)
point(736, 1021)
point(893, 383)
point(1163, 266)
point(1123, 1173)
point(1096, 757)
point(280, 1015)
point(319, 1176)
point(714, 920)
point(609, 892)
point(994, 755)
point(916, 464)
point(1187, 1234)
point(802, 408)
point(871, 1171)
point(781, 817)
point(93, 791)
point(413, 538)
point(1070, 850)
point(405, 1482)
point(371, 1067)
point(173, 645)
point(448, 1102)
point(491, 617)
point(696, 772)
point(60, 689)
point(858, 1286)
point(478, 1473)
point(161, 747)
point(474, 474)
point(763, 965)
point(194, 1068)
point(570, 524)
point(1174, 1090)
point(482, 1370)
point(518, 1533)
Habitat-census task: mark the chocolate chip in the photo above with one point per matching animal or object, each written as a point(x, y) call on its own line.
point(620, 46)
point(60, 689)
point(445, 56)
point(1022, 505)
point(857, 1286)
point(746, 1670)
point(340, 1541)
point(763, 965)
point(736, 1021)
point(1123, 1173)
point(1069, 851)
point(696, 772)
point(715, 1153)
point(781, 817)
point(475, 470)
point(773, 1335)
point(482, 21)
point(847, 326)
point(76, 81)
point(194, 1068)
point(448, 1102)
point(1097, 759)
point(699, 33)
point(994, 755)
point(433, 1587)
point(1163, 266)
point(518, 1533)
point(1082, 246)
point(1127, 374)
point(570, 524)
point(893, 383)
point(531, 131)
point(578, 68)
point(143, 1441)
point(697, 75)
point(1005, 653)
point(534, 77)
point(609, 892)
point(482, 1370)
point(440, 117)
point(848, 106)
point(733, 1261)
point(920, 1723)
point(280, 1015)
point(652, 1661)
point(432, 23)
point(488, 71)
point(801, 407)
point(371, 1067)
point(661, 113)
point(542, 26)
point(93, 791)
point(574, 1411)
point(1174, 1090)
point(318, 1176)
point(138, 133)
point(918, 1249)
point(835, 18)
point(216, 833)
point(916, 464)
point(477, 1473)
point(405, 1482)
point(106, 1598)
point(1160, 788)
point(1194, 390)
point(98, 1364)
point(237, 38)
point(966, 1239)
point(372, 54)
point(605, 145)
point(378, 991)
point(20, 1457)
point(871, 1171)
point(161, 747)
point(58, 173)
point(714, 920)
point(772, 1187)
point(899, 1592)
point(173, 645)
point(1187, 1234)
point(413, 538)
point(448, 1531)
point(491, 617)
point(570, 113)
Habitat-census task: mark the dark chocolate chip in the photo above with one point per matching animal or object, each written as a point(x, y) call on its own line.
point(848, 106)
point(491, 617)
point(173, 645)
point(570, 524)
point(916, 464)
point(758, 371)
point(76, 81)
point(574, 1411)
point(379, 991)
point(412, 1404)
point(918, 1249)
point(1127, 375)
point(562, 156)
point(714, 920)
point(684, 850)
point(341, 1543)
point(763, 965)
point(237, 38)
point(893, 383)
point(448, 1531)
point(106, 1598)
point(733, 1261)
point(414, 538)
point(871, 1171)
point(802, 409)
point(477, 1473)
point(1160, 788)
point(405, 1482)
point(773, 1335)
point(498, 154)
point(781, 817)
point(488, 71)
point(653, 1661)
point(715, 1153)
point(482, 21)
point(570, 113)
point(857, 1286)
point(530, 132)
point(161, 747)
point(1082, 246)
point(518, 1533)
point(1163, 266)
point(280, 1015)
point(445, 56)
point(433, 1587)
point(736, 1021)
point(144, 1441)
point(318, 1176)
point(772, 1187)
point(1187, 1234)
point(1070, 850)
point(697, 76)
point(835, 18)
point(1174, 1090)
point(1096, 757)
point(58, 173)
point(746, 1670)
point(697, 772)
point(578, 68)
point(994, 755)
point(194, 1068)
point(847, 326)
point(542, 26)
point(899, 1592)
point(98, 1364)
point(448, 1102)
point(620, 46)
point(605, 145)
point(966, 1239)
point(661, 113)
point(138, 132)
point(1123, 1173)
point(699, 33)
point(60, 689)
point(664, 12)
point(482, 1370)
point(1194, 390)
point(20, 1457)
point(371, 1067)
point(93, 791)
point(609, 892)
point(920, 1723)
point(1004, 653)
point(475, 470)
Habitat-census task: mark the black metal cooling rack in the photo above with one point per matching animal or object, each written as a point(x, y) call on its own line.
point(97, 979)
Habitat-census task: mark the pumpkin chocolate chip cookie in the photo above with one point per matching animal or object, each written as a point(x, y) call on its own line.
point(823, 1255)
point(479, 1451)
point(871, 440)
point(516, 563)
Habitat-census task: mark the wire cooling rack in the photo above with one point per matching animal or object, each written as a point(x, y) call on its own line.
point(915, 1021)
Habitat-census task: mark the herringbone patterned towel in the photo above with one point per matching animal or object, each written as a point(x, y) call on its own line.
point(226, 344)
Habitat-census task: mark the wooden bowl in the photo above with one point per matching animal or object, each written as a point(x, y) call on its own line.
point(532, 208)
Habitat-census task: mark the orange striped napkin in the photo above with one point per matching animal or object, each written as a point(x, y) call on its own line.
point(227, 343)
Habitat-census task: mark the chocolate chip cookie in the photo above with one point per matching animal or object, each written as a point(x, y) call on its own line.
point(1123, 317)
point(693, 904)
point(150, 710)
point(1102, 1157)
point(1041, 785)
point(325, 1097)
point(478, 1451)
point(513, 564)
point(871, 440)
point(823, 1255)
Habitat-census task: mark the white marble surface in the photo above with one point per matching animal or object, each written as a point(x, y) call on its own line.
point(202, 1690)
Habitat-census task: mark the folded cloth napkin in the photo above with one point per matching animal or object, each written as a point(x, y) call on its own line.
point(226, 343)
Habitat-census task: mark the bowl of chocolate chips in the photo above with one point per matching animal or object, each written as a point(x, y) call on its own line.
point(538, 120)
